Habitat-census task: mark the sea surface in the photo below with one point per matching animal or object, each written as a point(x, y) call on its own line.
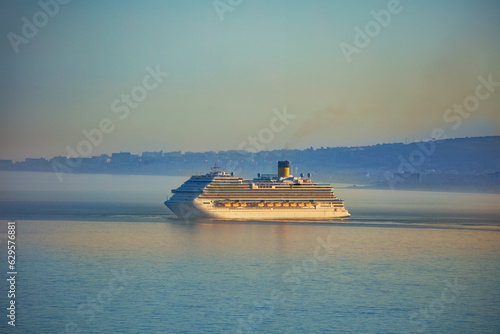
point(102, 254)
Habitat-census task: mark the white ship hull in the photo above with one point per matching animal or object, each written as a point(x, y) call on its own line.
point(196, 210)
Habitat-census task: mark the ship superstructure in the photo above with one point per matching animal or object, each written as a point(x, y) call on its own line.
point(222, 195)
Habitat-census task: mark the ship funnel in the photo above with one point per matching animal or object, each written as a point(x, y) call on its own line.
point(283, 168)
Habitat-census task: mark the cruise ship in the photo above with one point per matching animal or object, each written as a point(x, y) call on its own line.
point(222, 195)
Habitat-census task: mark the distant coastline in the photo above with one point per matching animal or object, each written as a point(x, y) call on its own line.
point(461, 164)
point(452, 188)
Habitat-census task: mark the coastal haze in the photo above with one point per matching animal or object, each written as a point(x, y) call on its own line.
point(108, 106)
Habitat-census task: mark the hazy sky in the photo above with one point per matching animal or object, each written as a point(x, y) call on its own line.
point(227, 75)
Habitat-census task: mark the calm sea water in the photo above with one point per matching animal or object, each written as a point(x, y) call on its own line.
point(102, 254)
